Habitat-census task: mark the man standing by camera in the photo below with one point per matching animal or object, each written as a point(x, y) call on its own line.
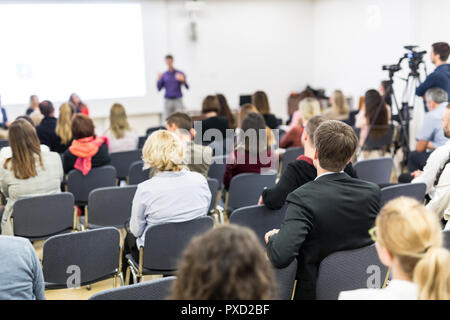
point(440, 78)
point(172, 80)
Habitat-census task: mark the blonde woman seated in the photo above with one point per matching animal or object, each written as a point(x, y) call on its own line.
point(121, 137)
point(173, 194)
point(28, 171)
point(63, 128)
point(408, 239)
point(309, 107)
point(339, 107)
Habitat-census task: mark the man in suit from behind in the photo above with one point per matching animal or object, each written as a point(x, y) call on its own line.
point(332, 213)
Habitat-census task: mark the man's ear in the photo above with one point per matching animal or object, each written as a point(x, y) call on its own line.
point(316, 155)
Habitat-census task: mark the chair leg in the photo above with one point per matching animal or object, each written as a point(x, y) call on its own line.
point(127, 276)
point(122, 283)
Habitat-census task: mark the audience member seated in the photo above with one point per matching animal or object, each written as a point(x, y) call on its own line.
point(64, 128)
point(292, 107)
point(34, 105)
point(431, 135)
point(46, 130)
point(309, 108)
point(261, 102)
point(20, 270)
point(225, 263)
point(331, 213)
point(409, 240)
point(250, 155)
point(298, 172)
point(173, 194)
point(197, 157)
point(4, 124)
point(211, 109)
point(28, 171)
point(371, 113)
point(120, 135)
point(87, 151)
point(225, 111)
point(339, 109)
point(244, 110)
point(77, 105)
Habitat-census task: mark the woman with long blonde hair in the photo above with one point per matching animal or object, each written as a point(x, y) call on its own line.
point(64, 127)
point(409, 240)
point(120, 135)
point(339, 107)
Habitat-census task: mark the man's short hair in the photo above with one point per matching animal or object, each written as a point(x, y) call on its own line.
point(312, 126)
point(169, 56)
point(437, 95)
point(181, 120)
point(442, 49)
point(46, 108)
point(336, 144)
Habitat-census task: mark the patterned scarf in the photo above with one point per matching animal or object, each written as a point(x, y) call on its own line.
point(85, 149)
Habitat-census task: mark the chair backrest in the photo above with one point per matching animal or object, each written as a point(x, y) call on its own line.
point(259, 218)
point(217, 168)
point(290, 155)
point(374, 170)
point(80, 186)
point(92, 255)
point(141, 141)
point(122, 161)
point(165, 243)
point(158, 289)
point(447, 239)
point(246, 188)
point(349, 270)
point(43, 216)
point(413, 190)
point(4, 143)
point(110, 206)
point(382, 142)
point(135, 173)
point(285, 279)
point(214, 188)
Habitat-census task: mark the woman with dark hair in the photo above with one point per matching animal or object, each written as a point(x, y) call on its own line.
point(261, 102)
point(252, 154)
point(211, 110)
point(225, 111)
point(77, 105)
point(226, 263)
point(87, 151)
point(27, 171)
point(372, 113)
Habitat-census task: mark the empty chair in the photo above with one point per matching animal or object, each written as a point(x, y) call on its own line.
point(80, 186)
point(217, 168)
point(246, 188)
point(122, 161)
point(40, 217)
point(285, 279)
point(290, 155)
point(157, 289)
point(109, 207)
point(374, 170)
point(164, 244)
point(141, 142)
point(214, 188)
point(135, 173)
point(349, 270)
point(4, 143)
point(81, 258)
point(413, 190)
point(258, 218)
point(446, 239)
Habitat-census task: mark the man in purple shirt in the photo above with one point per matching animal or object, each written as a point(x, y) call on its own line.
point(172, 80)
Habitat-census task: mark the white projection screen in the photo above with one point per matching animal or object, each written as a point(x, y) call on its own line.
point(53, 50)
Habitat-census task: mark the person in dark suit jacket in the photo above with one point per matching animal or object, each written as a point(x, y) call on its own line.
point(46, 129)
point(299, 172)
point(332, 213)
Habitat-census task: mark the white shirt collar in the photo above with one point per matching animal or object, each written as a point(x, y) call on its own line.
point(324, 174)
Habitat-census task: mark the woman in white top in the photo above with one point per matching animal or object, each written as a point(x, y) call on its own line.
point(173, 194)
point(408, 239)
point(120, 135)
point(28, 171)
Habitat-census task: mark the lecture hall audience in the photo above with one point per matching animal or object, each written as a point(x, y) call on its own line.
point(173, 194)
point(87, 151)
point(120, 135)
point(28, 171)
point(408, 239)
point(331, 213)
point(226, 263)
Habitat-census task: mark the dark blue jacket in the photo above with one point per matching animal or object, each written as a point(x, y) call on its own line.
point(4, 119)
point(439, 78)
